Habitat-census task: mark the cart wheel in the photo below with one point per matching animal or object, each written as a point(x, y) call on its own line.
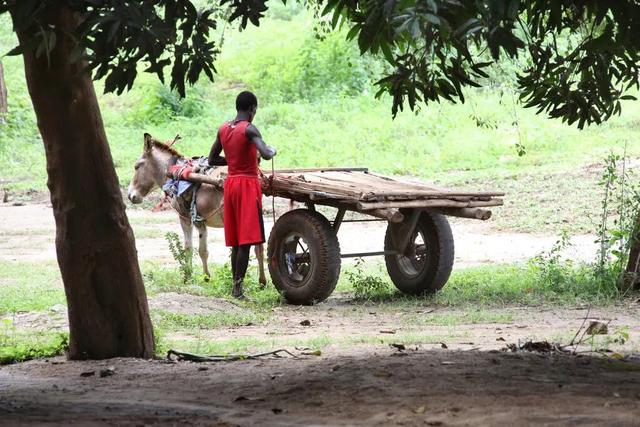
point(304, 257)
point(427, 261)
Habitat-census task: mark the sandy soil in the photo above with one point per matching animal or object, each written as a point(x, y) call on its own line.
point(451, 372)
point(363, 386)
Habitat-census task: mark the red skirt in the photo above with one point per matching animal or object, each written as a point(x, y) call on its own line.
point(243, 223)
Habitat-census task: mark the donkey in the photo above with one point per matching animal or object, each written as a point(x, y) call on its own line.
point(151, 173)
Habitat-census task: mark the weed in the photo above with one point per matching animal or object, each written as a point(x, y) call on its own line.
point(159, 279)
point(367, 287)
point(183, 257)
point(19, 346)
point(619, 208)
point(551, 269)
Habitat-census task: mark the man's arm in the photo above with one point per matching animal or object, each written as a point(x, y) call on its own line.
point(215, 159)
point(254, 136)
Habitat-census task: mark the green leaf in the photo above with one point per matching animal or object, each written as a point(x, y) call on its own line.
point(18, 50)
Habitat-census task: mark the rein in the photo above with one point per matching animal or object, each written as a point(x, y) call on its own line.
point(273, 198)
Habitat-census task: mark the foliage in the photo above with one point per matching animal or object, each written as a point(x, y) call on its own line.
point(290, 68)
point(620, 203)
point(619, 208)
point(158, 104)
point(115, 36)
point(19, 346)
point(219, 285)
point(552, 269)
point(367, 287)
point(183, 257)
point(434, 47)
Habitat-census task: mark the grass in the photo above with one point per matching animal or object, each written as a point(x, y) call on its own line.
point(170, 321)
point(29, 287)
point(18, 346)
point(200, 345)
point(472, 316)
point(474, 292)
point(159, 279)
point(487, 286)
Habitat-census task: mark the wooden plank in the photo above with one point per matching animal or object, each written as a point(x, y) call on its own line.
point(391, 215)
point(472, 213)
point(206, 179)
point(307, 170)
point(409, 194)
point(427, 203)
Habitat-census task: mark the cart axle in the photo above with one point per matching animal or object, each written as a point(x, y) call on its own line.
point(364, 254)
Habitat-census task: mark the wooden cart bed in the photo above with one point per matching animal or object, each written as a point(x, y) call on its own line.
point(363, 191)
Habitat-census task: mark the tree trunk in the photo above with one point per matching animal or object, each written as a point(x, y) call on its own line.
point(4, 105)
point(107, 304)
point(633, 266)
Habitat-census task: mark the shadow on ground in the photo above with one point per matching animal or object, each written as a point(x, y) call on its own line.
point(366, 385)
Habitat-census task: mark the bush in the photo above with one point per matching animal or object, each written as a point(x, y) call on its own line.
point(367, 287)
point(310, 67)
point(158, 104)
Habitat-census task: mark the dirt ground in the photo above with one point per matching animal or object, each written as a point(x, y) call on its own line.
point(384, 366)
point(380, 364)
point(366, 386)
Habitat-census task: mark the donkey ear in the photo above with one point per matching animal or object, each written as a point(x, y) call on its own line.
point(148, 142)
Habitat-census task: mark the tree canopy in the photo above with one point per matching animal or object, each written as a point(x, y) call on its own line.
point(580, 57)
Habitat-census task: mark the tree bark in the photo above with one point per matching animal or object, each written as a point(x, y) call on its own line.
point(633, 266)
point(4, 105)
point(107, 304)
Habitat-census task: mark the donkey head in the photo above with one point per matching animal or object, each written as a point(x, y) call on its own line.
point(150, 168)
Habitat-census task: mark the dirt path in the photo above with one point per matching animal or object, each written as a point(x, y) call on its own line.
point(379, 386)
point(451, 372)
point(30, 236)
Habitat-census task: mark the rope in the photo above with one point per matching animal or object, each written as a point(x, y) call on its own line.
point(273, 198)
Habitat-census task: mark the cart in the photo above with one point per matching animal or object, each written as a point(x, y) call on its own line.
point(303, 250)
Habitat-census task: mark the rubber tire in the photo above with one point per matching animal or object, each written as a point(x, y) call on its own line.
point(325, 256)
point(439, 240)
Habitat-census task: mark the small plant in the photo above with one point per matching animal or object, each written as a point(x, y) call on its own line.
point(367, 287)
point(553, 270)
point(183, 257)
point(616, 228)
point(19, 346)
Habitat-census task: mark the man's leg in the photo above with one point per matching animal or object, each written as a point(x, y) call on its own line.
point(234, 257)
point(241, 265)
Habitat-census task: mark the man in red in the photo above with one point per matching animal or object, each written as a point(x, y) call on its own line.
point(243, 224)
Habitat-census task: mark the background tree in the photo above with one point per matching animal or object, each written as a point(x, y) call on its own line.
point(436, 49)
point(63, 43)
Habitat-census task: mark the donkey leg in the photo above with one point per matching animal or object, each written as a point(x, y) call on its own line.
point(187, 231)
point(203, 250)
point(259, 249)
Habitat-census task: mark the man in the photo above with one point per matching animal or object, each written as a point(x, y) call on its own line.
point(243, 223)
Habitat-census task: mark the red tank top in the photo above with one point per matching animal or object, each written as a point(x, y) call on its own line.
point(240, 153)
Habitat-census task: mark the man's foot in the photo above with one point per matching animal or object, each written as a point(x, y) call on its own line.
point(237, 292)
